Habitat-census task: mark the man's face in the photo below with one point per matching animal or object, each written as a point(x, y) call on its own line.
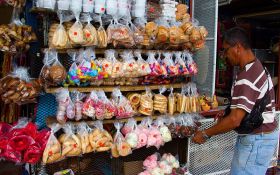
point(229, 53)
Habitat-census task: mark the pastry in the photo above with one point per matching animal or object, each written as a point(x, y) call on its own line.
point(60, 37)
point(102, 37)
point(76, 34)
point(151, 29)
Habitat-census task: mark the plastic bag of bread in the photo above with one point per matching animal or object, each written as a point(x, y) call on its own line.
point(120, 147)
point(130, 66)
point(191, 65)
point(134, 99)
point(90, 34)
point(101, 35)
point(140, 24)
point(52, 73)
point(180, 63)
point(181, 100)
point(171, 102)
point(160, 101)
point(163, 31)
point(138, 35)
point(109, 108)
point(60, 38)
point(146, 103)
point(143, 66)
point(83, 135)
point(154, 64)
point(52, 152)
point(75, 33)
point(19, 88)
point(124, 109)
point(117, 68)
point(78, 103)
point(71, 144)
point(99, 138)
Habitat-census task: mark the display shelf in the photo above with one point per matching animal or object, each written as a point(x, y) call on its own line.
point(211, 113)
point(42, 10)
point(53, 90)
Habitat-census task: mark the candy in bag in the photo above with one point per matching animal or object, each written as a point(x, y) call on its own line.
point(124, 109)
point(181, 64)
point(78, 103)
point(169, 64)
point(63, 99)
point(109, 108)
point(191, 65)
point(90, 104)
point(154, 64)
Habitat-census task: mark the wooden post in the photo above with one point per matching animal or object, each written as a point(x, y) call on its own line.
point(278, 89)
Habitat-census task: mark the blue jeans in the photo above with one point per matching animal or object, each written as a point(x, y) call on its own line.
point(253, 153)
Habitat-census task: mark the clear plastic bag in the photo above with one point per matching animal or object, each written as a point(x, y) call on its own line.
point(83, 135)
point(78, 103)
point(112, 7)
point(99, 138)
point(124, 8)
point(100, 7)
point(124, 109)
point(63, 99)
point(169, 64)
point(75, 33)
point(154, 64)
point(52, 73)
point(90, 34)
point(129, 126)
point(181, 64)
point(130, 67)
point(165, 132)
point(146, 103)
point(60, 38)
point(191, 65)
point(72, 75)
point(102, 35)
point(163, 31)
point(143, 66)
point(117, 68)
point(160, 101)
point(109, 108)
point(171, 102)
point(107, 63)
point(120, 146)
point(71, 144)
point(181, 101)
point(52, 152)
point(76, 6)
point(163, 68)
point(90, 105)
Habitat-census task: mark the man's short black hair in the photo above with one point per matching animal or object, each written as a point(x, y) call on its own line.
point(237, 35)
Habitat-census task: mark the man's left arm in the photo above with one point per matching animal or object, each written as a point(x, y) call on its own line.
point(227, 124)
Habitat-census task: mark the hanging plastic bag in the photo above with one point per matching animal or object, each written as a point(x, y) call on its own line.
point(75, 33)
point(160, 101)
point(171, 102)
point(78, 103)
point(100, 7)
point(112, 7)
point(129, 126)
point(52, 73)
point(63, 99)
point(143, 66)
point(90, 33)
point(60, 38)
point(120, 146)
point(162, 65)
point(83, 135)
point(163, 31)
point(71, 144)
point(52, 152)
point(109, 108)
point(124, 109)
point(117, 68)
point(181, 64)
point(107, 63)
point(146, 103)
point(164, 131)
point(130, 67)
point(153, 136)
point(181, 100)
point(169, 64)
point(101, 35)
point(191, 65)
point(99, 138)
point(90, 104)
point(154, 64)
point(142, 131)
point(72, 75)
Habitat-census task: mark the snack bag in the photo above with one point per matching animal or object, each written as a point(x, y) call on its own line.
point(181, 64)
point(72, 75)
point(146, 103)
point(60, 38)
point(99, 138)
point(162, 65)
point(107, 63)
point(169, 64)
point(83, 135)
point(163, 31)
point(129, 126)
point(109, 108)
point(63, 99)
point(154, 64)
point(138, 35)
point(171, 102)
point(70, 110)
point(124, 109)
point(71, 144)
point(191, 65)
point(188, 107)
point(90, 105)
point(130, 67)
point(76, 34)
point(120, 146)
point(140, 24)
point(101, 36)
point(90, 33)
point(52, 152)
point(164, 131)
point(117, 68)
point(78, 103)
point(160, 101)
point(143, 66)
point(181, 101)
